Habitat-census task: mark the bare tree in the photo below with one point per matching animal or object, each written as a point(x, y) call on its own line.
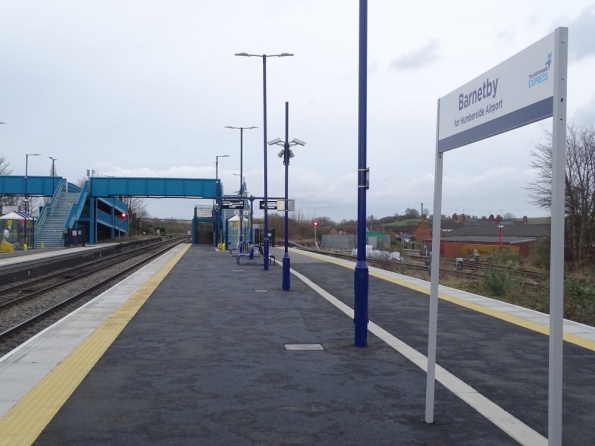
point(137, 212)
point(579, 187)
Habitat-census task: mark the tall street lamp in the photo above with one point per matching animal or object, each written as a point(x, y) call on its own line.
point(217, 164)
point(53, 174)
point(500, 235)
point(361, 275)
point(26, 180)
point(218, 235)
point(242, 191)
point(286, 154)
point(264, 98)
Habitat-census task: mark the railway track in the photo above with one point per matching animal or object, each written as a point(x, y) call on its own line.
point(471, 270)
point(22, 316)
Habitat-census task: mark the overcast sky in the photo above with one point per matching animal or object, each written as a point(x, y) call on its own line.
point(145, 89)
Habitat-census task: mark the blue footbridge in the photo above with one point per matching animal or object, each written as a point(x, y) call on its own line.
point(95, 211)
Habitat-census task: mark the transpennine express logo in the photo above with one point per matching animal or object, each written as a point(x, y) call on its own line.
point(541, 75)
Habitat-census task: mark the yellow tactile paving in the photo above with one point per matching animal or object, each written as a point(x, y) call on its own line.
point(568, 337)
point(25, 421)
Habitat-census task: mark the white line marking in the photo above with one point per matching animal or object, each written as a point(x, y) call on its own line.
point(498, 416)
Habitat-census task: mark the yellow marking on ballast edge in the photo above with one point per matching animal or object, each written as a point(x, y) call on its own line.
point(530, 325)
point(27, 419)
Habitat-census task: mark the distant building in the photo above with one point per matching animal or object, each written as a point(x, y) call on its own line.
point(486, 238)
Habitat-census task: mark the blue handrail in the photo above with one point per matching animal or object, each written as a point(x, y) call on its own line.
point(49, 207)
point(77, 208)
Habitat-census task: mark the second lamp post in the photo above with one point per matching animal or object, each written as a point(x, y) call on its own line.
point(241, 191)
point(286, 154)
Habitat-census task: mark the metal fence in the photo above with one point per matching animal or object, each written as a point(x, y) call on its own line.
point(349, 241)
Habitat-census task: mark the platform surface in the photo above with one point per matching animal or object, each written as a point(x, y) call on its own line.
point(219, 354)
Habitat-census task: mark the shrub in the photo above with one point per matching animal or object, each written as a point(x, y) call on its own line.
point(498, 281)
point(540, 253)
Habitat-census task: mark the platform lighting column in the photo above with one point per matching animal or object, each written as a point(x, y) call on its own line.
point(361, 279)
point(500, 235)
point(286, 154)
point(218, 235)
point(241, 129)
point(251, 226)
point(264, 97)
point(26, 180)
point(53, 173)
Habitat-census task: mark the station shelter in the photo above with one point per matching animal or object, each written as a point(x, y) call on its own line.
point(17, 230)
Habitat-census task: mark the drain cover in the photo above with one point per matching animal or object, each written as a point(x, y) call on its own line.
point(303, 347)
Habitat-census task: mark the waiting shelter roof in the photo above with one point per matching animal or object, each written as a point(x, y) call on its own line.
point(17, 215)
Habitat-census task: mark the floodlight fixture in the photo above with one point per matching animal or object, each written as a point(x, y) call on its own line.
point(264, 55)
point(240, 128)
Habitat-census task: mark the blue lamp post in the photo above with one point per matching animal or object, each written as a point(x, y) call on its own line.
point(27, 155)
point(286, 154)
point(53, 173)
point(264, 97)
point(361, 279)
point(218, 204)
point(241, 191)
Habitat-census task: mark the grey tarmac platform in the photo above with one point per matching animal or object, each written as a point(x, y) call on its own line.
point(205, 362)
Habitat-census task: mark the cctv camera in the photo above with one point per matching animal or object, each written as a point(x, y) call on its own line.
point(299, 141)
point(274, 141)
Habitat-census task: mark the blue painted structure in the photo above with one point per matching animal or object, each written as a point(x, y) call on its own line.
point(103, 190)
point(36, 185)
point(155, 187)
point(96, 203)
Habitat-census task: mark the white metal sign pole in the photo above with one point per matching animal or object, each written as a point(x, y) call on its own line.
point(435, 272)
point(557, 238)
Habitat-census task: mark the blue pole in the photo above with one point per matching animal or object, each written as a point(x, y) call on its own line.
point(241, 238)
point(266, 196)
point(361, 278)
point(286, 261)
point(251, 227)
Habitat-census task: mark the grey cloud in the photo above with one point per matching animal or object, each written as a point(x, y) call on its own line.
point(418, 58)
point(580, 32)
point(585, 115)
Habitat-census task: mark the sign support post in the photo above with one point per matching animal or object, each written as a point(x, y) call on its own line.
point(557, 238)
point(434, 272)
point(519, 91)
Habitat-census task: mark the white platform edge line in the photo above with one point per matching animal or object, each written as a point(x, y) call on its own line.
point(461, 294)
point(512, 426)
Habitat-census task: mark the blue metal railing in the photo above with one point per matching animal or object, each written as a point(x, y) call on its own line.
point(48, 208)
point(77, 208)
point(106, 219)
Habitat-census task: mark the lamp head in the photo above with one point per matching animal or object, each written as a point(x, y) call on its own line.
point(285, 55)
point(242, 54)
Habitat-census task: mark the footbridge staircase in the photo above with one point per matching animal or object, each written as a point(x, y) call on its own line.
point(60, 213)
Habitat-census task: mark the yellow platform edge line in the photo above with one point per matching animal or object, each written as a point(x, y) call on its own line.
point(568, 337)
point(27, 419)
